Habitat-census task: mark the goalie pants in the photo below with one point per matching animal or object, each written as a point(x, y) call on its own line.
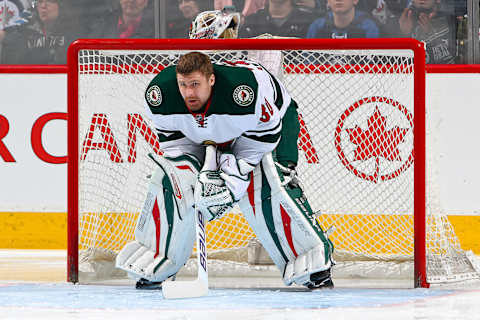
point(287, 150)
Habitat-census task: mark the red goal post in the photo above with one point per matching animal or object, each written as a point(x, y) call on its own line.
point(84, 60)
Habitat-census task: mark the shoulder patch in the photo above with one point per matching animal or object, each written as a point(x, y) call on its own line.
point(154, 96)
point(243, 95)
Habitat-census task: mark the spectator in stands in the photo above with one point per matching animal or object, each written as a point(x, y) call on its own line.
point(45, 39)
point(179, 25)
point(278, 18)
point(423, 21)
point(134, 19)
point(10, 11)
point(245, 7)
point(386, 14)
point(343, 21)
point(318, 7)
point(306, 3)
point(91, 11)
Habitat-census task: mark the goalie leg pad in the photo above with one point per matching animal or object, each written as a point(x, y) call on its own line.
point(299, 271)
point(283, 221)
point(165, 230)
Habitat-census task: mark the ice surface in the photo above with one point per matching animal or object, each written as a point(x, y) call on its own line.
point(43, 298)
point(68, 301)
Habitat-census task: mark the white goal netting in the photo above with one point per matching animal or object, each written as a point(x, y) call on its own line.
point(356, 110)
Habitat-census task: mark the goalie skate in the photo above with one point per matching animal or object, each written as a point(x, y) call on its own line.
point(321, 280)
point(144, 284)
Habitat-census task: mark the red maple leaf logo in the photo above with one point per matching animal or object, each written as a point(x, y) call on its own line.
point(376, 141)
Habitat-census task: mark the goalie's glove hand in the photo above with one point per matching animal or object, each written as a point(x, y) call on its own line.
point(235, 174)
point(212, 196)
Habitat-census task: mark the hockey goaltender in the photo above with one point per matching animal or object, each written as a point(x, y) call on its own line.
point(248, 114)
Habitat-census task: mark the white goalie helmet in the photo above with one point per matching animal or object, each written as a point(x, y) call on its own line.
point(217, 24)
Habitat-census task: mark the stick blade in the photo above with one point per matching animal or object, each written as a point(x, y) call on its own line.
point(184, 289)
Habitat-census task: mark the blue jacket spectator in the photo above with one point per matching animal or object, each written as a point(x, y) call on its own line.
point(362, 26)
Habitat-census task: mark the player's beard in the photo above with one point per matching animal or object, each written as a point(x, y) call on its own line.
point(193, 104)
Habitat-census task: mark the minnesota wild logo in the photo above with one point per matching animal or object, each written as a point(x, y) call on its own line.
point(243, 95)
point(154, 96)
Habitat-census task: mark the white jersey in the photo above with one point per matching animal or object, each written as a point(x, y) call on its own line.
point(244, 112)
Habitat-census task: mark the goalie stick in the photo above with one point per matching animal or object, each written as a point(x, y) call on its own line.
point(199, 286)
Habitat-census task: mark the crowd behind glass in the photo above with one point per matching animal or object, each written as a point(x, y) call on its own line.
point(39, 31)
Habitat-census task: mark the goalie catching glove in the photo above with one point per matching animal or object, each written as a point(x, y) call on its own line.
point(212, 196)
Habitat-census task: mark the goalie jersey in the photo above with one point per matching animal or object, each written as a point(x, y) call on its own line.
point(244, 112)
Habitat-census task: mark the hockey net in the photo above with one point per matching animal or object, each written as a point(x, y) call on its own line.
point(360, 103)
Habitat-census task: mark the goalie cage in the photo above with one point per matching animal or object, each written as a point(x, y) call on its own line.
point(356, 103)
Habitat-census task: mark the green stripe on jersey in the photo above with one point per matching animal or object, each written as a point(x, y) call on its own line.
point(174, 136)
point(279, 97)
point(268, 138)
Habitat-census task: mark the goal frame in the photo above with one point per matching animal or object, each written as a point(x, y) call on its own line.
point(419, 141)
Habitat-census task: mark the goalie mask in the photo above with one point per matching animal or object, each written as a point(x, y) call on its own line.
point(215, 25)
